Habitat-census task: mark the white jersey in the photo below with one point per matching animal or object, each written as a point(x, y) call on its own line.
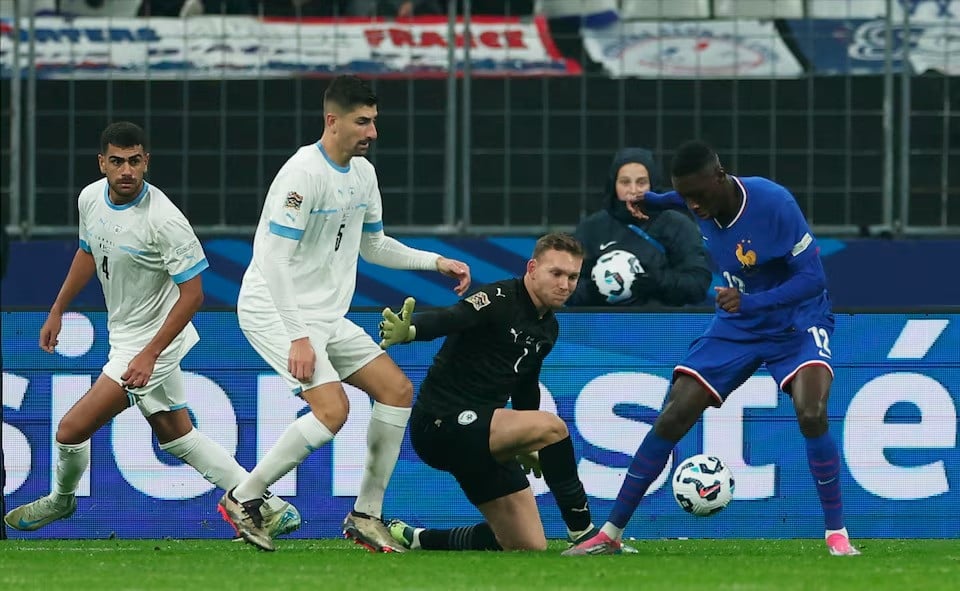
point(142, 249)
point(325, 208)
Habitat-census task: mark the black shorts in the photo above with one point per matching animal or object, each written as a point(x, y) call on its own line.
point(459, 443)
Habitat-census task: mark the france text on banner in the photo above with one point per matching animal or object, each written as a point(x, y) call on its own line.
point(858, 46)
point(692, 49)
point(248, 47)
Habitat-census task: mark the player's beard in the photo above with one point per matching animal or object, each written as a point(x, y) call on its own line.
point(127, 191)
point(361, 148)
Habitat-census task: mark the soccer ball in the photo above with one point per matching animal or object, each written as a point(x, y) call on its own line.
point(614, 274)
point(702, 485)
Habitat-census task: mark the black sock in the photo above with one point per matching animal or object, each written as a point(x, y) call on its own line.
point(473, 537)
point(559, 468)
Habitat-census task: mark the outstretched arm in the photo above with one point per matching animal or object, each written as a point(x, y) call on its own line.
point(380, 249)
point(424, 326)
point(668, 200)
point(480, 308)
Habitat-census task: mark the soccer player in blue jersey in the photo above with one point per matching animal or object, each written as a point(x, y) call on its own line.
point(774, 310)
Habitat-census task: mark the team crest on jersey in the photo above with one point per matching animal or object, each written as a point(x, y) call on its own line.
point(467, 417)
point(747, 257)
point(478, 300)
point(294, 200)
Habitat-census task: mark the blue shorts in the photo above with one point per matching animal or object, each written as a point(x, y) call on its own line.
point(722, 365)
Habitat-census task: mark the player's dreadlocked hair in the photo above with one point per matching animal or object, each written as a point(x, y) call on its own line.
point(558, 241)
point(122, 134)
point(691, 157)
point(349, 91)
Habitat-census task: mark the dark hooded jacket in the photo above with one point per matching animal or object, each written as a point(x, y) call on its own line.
point(667, 245)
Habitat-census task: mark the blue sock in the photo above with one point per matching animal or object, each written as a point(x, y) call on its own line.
point(644, 469)
point(824, 462)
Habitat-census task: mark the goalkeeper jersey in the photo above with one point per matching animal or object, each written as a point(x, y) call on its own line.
point(495, 346)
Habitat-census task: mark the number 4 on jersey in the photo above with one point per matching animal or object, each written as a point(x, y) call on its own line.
point(105, 268)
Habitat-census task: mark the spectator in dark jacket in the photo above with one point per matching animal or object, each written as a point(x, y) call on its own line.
point(667, 244)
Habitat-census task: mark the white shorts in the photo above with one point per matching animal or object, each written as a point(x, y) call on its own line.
point(342, 348)
point(163, 392)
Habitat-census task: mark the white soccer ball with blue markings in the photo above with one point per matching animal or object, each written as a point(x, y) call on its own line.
point(614, 274)
point(702, 485)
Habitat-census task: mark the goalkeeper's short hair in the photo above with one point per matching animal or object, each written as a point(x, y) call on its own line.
point(561, 241)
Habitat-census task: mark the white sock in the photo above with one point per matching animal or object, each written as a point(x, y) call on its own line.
point(384, 437)
point(297, 441)
point(208, 458)
point(613, 532)
point(272, 502)
point(72, 460)
point(212, 462)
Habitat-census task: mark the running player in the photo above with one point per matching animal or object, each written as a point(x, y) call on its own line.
point(149, 261)
point(322, 211)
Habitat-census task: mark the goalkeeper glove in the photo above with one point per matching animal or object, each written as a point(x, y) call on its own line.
point(396, 329)
point(530, 463)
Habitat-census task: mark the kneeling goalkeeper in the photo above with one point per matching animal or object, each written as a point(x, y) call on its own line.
point(497, 339)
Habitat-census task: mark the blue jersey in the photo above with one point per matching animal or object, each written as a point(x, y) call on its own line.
point(769, 254)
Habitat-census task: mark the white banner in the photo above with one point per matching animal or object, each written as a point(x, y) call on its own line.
point(692, 49)
point(918, 9)
point(247, 47)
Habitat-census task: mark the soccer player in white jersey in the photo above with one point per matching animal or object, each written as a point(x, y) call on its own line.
point(149, 261)
point(322, 211)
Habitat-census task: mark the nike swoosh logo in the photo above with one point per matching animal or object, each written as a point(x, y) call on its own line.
point(827, 481)
point(606, 244)
point(708, 491)
point(27, 524)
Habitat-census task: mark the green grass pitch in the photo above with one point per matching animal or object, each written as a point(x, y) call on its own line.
point(741, 565)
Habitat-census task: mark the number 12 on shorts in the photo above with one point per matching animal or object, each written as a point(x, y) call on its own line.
point(821, 338)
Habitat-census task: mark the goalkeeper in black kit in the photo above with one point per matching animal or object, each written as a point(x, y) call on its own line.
point(497, 339)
